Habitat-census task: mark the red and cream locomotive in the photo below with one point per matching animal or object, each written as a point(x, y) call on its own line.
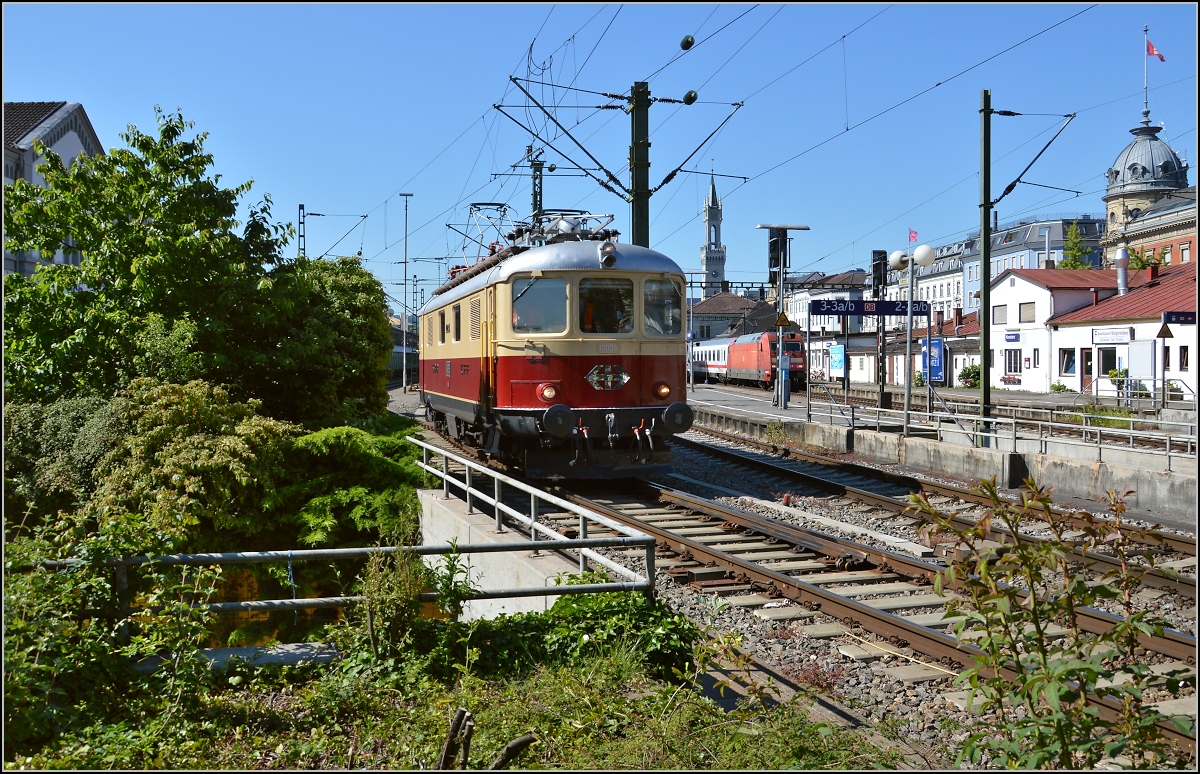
point(563, 356)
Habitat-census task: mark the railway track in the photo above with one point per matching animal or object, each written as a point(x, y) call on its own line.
point(869, 600)
point(890, 492)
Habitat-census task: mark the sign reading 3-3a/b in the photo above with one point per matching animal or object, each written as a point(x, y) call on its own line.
point(856, 307)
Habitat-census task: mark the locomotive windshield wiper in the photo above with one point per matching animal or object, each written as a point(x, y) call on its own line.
point(525, 289)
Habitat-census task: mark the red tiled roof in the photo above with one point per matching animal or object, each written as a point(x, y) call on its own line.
point(1073, 279)
point(21, 117)
point(1173, 291)
point(968, 327)
point(723, 303)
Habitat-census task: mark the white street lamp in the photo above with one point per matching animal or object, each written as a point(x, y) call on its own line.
point(691, 379)
point(404, 295)
point(922, 256)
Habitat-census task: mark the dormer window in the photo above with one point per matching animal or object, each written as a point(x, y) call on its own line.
point(1166, 168)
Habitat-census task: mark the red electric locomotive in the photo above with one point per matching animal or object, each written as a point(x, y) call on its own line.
point(751, 359)
point(565, 359)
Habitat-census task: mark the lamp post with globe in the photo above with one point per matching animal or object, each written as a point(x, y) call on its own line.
point(922, 256)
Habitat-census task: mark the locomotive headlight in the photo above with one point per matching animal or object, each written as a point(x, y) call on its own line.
point(547, 392)
point(608, 255)
point(662, 390)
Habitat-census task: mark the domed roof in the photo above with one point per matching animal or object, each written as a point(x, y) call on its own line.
point(1146, 164)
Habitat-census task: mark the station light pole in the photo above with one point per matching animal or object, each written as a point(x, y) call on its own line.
point(691, 379)
point(922, 256)
point(404, 295)
point(778, 253)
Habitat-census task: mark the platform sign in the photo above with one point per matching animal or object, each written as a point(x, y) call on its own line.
point(837, 360)
point(854, 307)
point(783, 321)
point(1179, 318)
point(933, 351)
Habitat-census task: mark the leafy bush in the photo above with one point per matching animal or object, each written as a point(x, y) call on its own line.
point(1058, 387)
point(1036, 681)
point(50, 454)
point(170, 286)
point(969, 376)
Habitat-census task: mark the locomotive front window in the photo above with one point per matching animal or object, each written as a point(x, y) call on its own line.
point(663, 307)
point(539, 305)
point(605, 305)
point(791, 346)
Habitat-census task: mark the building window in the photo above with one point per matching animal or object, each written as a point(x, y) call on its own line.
point(1183, 359)
point(1066, 362)
point(1000, 314)
point(1012, 361)
point(1166, 358)
point(1037, 358)
point(1026, 312)
point(1185, 253)
point(1166, 255)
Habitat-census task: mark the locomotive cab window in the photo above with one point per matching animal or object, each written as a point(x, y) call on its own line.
point(539, 305)
point(605, 305)
point(663, 308)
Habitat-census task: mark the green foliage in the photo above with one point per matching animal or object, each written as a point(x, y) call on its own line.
point(969, 376)
point(50, 453)
point(157, 236)
point(1076, 254)
point(355, 485)
point(330, 342)
point(1036, 681)
point(1138, 259)
point(194, 458)
point(776, 433)
point(168, 288)
point(918, 379)
point(69, 645)
point(1058, 387)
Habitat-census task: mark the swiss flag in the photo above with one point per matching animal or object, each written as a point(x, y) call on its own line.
point(1152, 51)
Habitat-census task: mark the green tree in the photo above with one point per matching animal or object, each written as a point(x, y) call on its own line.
point(160, 254)
point(1139, 260)
point(328, 342)
point(1076, 255)
point(168, 287)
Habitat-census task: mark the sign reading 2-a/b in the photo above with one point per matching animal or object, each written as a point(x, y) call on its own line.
point(862, 307)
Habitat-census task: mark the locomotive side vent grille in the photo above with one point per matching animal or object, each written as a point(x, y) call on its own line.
point(429, 329)
point(475, 319)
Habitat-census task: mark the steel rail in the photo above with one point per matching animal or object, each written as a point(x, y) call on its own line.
point(932, 643)
point(1155, 578)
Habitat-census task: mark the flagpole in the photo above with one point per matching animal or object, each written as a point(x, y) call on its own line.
point(1146, 71)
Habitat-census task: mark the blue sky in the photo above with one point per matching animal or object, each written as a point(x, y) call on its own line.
point(859, 120)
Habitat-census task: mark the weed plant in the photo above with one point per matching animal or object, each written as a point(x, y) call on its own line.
point(1038, 664)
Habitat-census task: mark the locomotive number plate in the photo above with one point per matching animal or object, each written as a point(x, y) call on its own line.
point(606, 347)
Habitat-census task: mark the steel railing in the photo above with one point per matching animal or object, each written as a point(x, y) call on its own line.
point(551, 539)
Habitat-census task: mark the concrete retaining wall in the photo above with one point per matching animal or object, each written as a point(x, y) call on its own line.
point(446, 520)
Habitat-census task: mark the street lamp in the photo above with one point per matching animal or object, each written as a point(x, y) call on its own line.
point(691, 379)
point(778, 234)
point(922, 256)
point(404, 295)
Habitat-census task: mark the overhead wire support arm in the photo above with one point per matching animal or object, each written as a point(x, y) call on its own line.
point(671, 176)
point(1009, 188)
point(613, 178)
point(603, 184)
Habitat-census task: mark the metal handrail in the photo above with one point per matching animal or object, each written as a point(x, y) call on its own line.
point(536, 496)
point(583, 545)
